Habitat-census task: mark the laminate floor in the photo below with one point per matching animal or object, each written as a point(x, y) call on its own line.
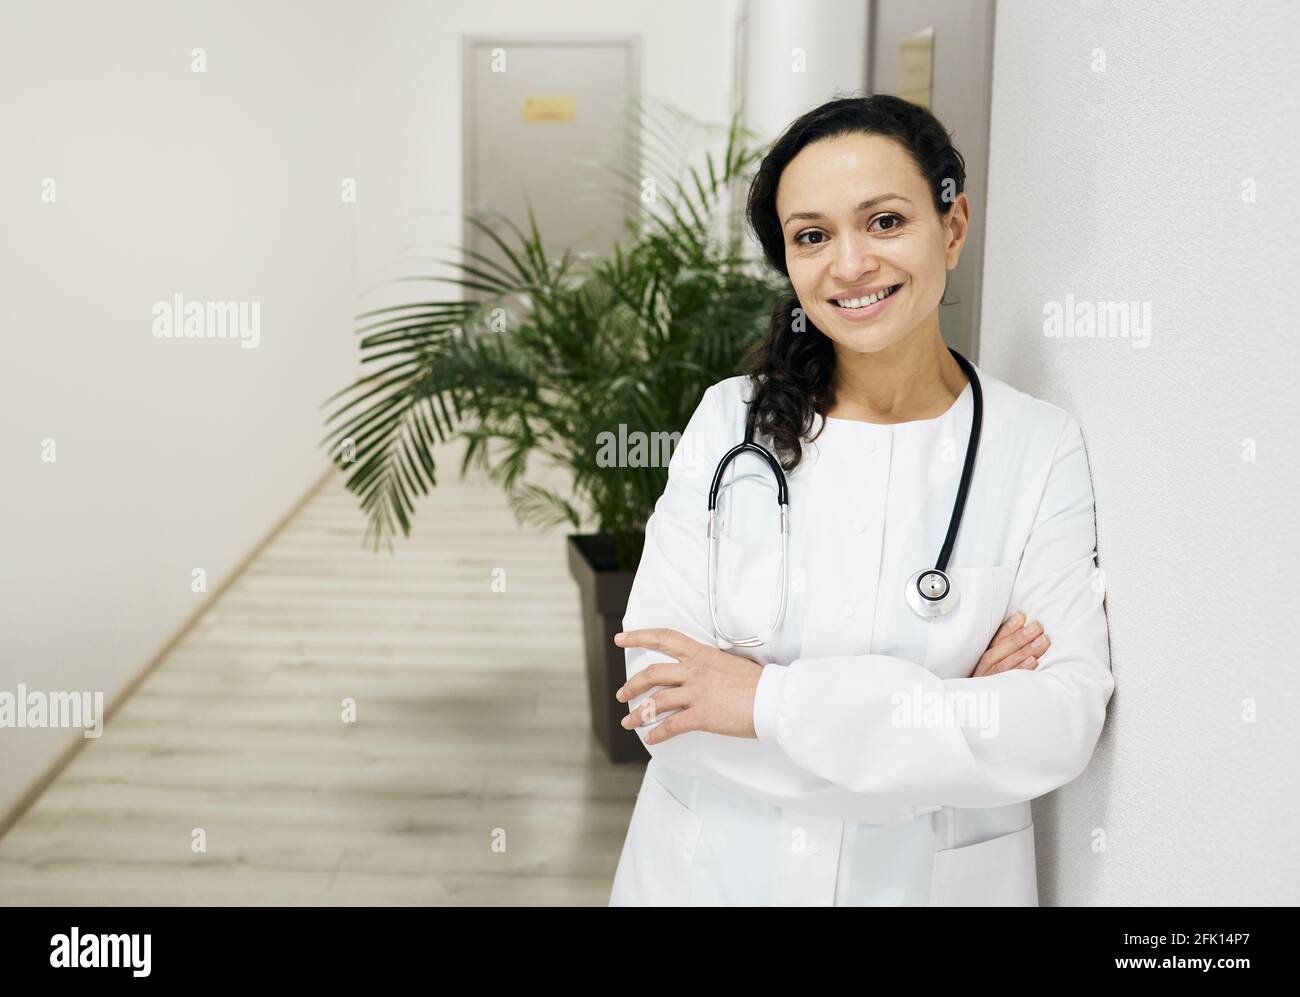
point(469, 777)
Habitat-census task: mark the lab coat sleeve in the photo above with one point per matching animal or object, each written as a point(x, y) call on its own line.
point(669, 590)
point(873, 723)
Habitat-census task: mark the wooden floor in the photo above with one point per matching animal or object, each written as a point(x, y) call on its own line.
point(472, 731)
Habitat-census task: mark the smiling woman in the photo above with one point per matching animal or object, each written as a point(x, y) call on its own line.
point(866, 215)
point(815, 768)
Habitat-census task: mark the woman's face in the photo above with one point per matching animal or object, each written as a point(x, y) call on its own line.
point(835, 249)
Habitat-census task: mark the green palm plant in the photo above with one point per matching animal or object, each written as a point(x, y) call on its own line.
point(555, 352)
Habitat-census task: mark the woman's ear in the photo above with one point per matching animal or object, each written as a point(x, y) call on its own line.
point(956, 224)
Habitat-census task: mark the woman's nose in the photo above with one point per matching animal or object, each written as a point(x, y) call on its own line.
point(855, 256)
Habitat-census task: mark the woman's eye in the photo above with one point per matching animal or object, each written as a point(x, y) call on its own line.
point(896, 220)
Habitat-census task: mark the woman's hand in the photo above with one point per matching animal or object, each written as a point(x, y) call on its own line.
point(1013, 646)
point(712, 689)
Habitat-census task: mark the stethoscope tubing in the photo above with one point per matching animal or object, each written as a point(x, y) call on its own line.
point(922, 602)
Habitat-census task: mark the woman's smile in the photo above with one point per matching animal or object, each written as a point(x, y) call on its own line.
point(864, 312)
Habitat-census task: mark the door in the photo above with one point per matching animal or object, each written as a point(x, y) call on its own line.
point(544, 120)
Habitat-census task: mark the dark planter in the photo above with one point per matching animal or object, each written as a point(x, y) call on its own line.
point(605, 591)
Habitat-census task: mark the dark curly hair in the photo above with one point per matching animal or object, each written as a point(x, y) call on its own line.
point(791, 367)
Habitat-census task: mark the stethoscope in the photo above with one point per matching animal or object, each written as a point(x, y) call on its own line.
point(930, 592)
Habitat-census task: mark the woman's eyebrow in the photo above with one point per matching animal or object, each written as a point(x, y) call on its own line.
point(866, 205)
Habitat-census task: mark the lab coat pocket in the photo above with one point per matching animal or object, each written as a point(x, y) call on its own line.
point(997, 872)
point(1004, 578)
point(655, 867)
point(748, 586)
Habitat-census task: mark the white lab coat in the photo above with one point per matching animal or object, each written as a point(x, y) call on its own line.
point(860, 789)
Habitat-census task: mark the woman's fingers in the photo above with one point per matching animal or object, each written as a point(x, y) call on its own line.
point(660, 673)
point(1017, 649)
point(655, 706)
point(985, 662)
point(1008, 628)
point(1024, 656)
point(1033, 646)
point(1015, 643)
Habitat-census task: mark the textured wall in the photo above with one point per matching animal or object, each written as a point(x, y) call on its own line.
point(1126, 185)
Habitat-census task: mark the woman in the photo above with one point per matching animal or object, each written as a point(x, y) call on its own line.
point(864, 755)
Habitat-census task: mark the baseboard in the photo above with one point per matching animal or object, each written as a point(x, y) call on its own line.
point(42, 782)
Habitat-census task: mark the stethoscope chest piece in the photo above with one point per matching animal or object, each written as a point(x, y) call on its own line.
point(930, 592)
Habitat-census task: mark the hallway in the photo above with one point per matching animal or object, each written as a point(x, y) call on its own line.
point(472, 717)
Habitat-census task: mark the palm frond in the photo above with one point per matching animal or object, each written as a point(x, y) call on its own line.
point(559, 352)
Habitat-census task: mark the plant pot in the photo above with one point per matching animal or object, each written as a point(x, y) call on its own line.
point(605, 592)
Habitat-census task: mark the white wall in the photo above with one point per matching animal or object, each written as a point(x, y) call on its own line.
point(171, 454)
point(800, 55)
point(177, 454)
point(1126, 185)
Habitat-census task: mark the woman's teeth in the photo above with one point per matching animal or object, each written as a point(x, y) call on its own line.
point(871, 299)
